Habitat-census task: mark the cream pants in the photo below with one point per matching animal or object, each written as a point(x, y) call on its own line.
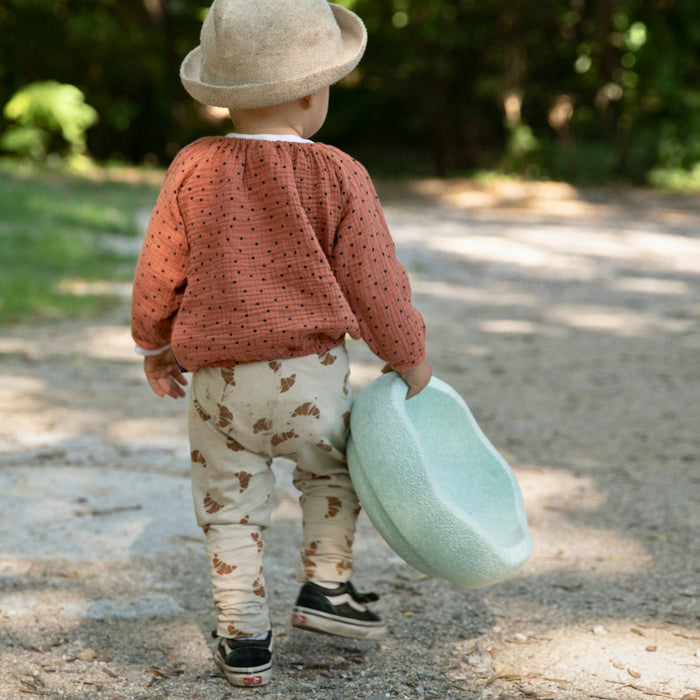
point(240, 419)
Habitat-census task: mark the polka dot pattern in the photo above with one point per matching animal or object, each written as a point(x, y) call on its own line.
point(262, 250)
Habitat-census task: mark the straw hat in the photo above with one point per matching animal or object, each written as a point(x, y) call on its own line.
point(258, 53)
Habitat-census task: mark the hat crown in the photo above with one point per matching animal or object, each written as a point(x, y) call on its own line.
point(248, 42)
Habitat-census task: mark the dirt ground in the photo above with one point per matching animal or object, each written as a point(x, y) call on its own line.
point(570, 323)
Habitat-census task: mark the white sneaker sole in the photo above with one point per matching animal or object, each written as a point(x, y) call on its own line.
point(315, 621)
point(248, 677)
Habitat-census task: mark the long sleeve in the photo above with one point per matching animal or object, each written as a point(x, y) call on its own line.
point(373, 281)
point(161, 271)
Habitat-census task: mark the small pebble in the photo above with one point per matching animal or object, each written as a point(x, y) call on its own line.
point(86, 655)
point(599, 631)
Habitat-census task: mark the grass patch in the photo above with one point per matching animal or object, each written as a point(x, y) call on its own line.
point(66, 239)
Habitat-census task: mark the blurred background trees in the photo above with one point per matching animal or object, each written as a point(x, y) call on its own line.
point(584, 90)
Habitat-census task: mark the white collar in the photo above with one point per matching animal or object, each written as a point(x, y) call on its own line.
point(293, 138)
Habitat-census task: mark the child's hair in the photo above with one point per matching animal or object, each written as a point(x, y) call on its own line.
point(258, 53)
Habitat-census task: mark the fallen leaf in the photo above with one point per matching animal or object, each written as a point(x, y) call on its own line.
point(161, 672)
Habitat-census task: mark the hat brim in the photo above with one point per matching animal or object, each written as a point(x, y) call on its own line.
point(254, 95)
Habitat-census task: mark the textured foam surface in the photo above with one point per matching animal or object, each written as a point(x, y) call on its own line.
point(434, 486)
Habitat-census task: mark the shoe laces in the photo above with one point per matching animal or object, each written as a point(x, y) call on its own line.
point(360, 597)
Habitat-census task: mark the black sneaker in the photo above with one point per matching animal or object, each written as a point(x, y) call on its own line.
point(340, 611)
point(245, 662)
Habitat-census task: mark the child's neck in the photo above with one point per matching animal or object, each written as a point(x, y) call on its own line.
point(259, 130)
point(267, 121)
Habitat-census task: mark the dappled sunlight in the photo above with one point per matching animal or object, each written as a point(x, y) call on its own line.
point(650, 285)
point(511, 326)
point(26, 395)
point(672, 252)
point(507, 251)
point(600, 657)
point(38, 435)
point(109, 342)
point(35, 429)
point(100, 288)
point(153, 431)
point(20, 391)
point(558, 197)
point(558, 506)
point(624, 279)
point(557, 249)
point(621, 242)
point(553, 319)
point(567, 547)
point(472, 294)
point(556, 490)
point(622, 322)
point(51, 421)
point(31, 436)
point(41, 603)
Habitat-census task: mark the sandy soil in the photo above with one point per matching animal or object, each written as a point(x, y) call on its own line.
point(569, 322)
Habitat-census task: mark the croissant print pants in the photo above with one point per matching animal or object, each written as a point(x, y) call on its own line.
point(240, 419)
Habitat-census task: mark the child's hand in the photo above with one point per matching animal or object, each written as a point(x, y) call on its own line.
point(163, 374)
point(417, 378)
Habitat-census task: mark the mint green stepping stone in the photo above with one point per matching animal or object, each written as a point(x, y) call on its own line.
point(434, 486)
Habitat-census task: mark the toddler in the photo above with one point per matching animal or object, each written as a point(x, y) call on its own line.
point(263, 251)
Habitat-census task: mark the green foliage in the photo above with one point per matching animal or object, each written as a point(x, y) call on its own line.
point(582, 89)
point(676, 179)
point(587, 91)
point(43, 110)
point(123, 55)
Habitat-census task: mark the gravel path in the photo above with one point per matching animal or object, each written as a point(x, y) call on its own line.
point(570, 324)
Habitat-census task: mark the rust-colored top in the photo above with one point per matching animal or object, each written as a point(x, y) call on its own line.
point(268, 249)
